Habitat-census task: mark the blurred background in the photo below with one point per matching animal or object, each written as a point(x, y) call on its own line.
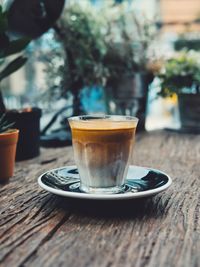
point(133, 57)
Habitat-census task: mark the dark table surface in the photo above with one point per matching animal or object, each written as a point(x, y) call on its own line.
point(40, 229)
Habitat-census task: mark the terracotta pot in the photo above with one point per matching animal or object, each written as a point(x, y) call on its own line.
point(8, 145)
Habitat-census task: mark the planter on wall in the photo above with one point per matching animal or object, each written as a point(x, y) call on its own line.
point(8, 144)
point(130, 97)
point(189, 109)
point(28, 123)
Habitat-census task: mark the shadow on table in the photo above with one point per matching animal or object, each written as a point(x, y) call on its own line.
point(137, 208)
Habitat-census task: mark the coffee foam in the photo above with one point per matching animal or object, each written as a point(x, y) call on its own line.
point(103, 124)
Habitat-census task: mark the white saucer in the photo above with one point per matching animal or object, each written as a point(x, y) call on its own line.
point(140, 182)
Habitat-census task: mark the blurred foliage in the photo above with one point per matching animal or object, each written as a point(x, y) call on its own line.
point(180, 74)
point(101, 45)
point(32, 18)
point(27, 19)
point(54, 61)
point(79, 31)
point(128, 29)
point(10, 47)
point(130, 42)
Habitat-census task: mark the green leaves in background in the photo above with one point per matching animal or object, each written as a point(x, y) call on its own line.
point(180, 73)
point(32, 18)
point(14, 47)
point(10, 47)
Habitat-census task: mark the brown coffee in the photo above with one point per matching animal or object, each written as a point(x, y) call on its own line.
point(102, 149)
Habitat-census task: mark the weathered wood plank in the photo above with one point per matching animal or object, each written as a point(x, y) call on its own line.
point(40, 229)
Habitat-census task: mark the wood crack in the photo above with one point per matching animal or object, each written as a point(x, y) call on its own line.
point(12, 226)
point(44, 240)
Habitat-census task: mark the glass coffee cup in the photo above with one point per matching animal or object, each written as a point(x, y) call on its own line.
point(103, 147)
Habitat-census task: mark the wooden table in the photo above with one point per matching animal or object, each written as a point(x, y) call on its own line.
point(41, 229)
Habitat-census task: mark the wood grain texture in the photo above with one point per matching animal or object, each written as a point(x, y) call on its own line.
point(40, 229)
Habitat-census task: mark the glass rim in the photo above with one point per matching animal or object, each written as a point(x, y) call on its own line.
point(113, 118)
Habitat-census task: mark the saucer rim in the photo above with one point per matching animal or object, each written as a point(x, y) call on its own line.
point(128, 195)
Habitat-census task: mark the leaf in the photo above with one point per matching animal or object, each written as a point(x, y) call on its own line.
point(33, 18)
point(3, 21)
point(15, 46)
point(4, 43)
point(12, 67)
point(4, 125)
point(2, 118)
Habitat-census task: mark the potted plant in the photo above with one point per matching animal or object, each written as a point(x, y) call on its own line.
point(30, 19)
point(130, 60)
point(79, 31)
point(181, 75)
point(8, 144)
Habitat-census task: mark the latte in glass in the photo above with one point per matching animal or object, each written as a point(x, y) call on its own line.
point(102, 149)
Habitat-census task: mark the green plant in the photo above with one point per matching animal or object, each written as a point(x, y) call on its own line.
point(130, 41)
point(80, 31)
point(180, 74)
point(83, 42)
point(32, 18)
point(4, 125)
point(99, 48)
point(9, 47)
point(29, 19)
